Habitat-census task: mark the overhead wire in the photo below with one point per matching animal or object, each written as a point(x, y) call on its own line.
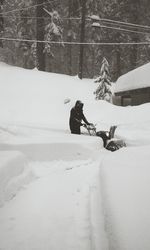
point(75, 18)
point(125, 23)
point(122, 29)
point(116, 25)
point(78, 18)
point(26, 17)
point(24, 8)
point(112, 22)
point(73, 43)
point(100, 25)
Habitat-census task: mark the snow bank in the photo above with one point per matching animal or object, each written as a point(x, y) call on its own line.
point(135, 134)
point(13, 174)
point(38, 97)
point(135, 79)
point(106, 114)
point(78, 148)
point(125, 178)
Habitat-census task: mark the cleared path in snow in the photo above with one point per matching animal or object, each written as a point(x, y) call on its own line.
point(61, 208)
point(54, 211)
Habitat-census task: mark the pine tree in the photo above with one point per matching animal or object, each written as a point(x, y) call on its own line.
point(11, 27)
point(17, 25)
point(103, 91)
point(53, 31)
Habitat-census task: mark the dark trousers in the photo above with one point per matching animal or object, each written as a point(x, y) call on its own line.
point(75, 130)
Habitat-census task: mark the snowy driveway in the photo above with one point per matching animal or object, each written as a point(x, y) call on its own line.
point(60, 208)
point(54, 211)
point(68, 193)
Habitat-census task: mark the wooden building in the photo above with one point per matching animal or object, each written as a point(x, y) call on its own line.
point(133, 88)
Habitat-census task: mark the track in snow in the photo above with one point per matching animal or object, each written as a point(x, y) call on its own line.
point(54, 211)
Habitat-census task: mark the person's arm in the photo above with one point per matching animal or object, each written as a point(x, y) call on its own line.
point(85, 120)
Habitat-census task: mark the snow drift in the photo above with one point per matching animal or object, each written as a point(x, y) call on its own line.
point(125, 180)
point(14, 173)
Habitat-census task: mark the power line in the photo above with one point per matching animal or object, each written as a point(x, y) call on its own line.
point(34, 17)
point(15, 10)
point(26, 17)
point(138, 29)
point(112, 21)
point(73, 18)
point(122, 29)
point(73, 43)
point(102, 26)
point(76, 18)
point(125, 23)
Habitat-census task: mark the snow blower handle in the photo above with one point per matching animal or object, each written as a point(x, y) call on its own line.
point(84, 125)
point(91, 128)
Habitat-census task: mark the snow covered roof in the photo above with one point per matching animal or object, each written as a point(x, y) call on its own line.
point(135, 79)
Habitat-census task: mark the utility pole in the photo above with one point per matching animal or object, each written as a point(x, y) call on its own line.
point(40, 35)
point(82, 38)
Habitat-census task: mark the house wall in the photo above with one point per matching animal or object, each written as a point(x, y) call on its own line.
point(116, 100)
point(133, 97)
point(140, 98)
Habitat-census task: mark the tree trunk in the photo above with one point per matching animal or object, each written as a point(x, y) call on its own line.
point(69, 49)
point(1, 21)
point(135, 19)
point(40, 36)
point(118, 62)
point(82, 36)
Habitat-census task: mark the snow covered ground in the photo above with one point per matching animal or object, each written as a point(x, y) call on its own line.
point(66, 192)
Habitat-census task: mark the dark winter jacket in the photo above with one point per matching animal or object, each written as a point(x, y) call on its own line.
point(76, 117)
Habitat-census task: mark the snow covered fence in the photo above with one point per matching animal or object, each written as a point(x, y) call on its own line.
point(13, 174)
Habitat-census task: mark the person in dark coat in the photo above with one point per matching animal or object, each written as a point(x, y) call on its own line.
point(76, 118)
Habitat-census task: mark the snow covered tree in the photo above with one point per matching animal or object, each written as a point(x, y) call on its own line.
point(53, 31)
point(18, 25)
point(48, 30)
point(103, 91)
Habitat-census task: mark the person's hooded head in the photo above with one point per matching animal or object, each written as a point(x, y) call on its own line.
point(79, 105)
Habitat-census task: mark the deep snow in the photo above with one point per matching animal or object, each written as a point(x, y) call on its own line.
point(135, 79)
point(63, 191)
